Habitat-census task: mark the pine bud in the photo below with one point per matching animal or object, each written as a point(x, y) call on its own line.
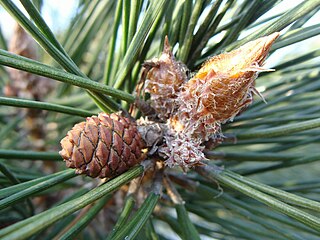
point(164, 78)
point(221, 89)
point(102, 146)
point(182, 150)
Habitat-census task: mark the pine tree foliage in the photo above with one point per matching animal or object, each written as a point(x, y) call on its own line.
point(262, 182)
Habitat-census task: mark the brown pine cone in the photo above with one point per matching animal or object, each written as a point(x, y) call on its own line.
point(24, 84)
point(102, 146)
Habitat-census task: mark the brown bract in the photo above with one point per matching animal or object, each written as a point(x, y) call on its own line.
point(102, 146)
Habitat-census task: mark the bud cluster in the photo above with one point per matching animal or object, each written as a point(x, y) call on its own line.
point(220, 90)
point(189, 113)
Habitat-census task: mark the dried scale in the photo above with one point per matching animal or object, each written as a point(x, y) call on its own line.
point(188, 119)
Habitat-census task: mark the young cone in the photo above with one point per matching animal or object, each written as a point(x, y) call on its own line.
point(221, 89)
point(102, 146)
point(163, 80)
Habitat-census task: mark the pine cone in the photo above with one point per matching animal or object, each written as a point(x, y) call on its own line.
point(221, 89)
point(164, 78)
point(102, 146)
point(24, 84)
